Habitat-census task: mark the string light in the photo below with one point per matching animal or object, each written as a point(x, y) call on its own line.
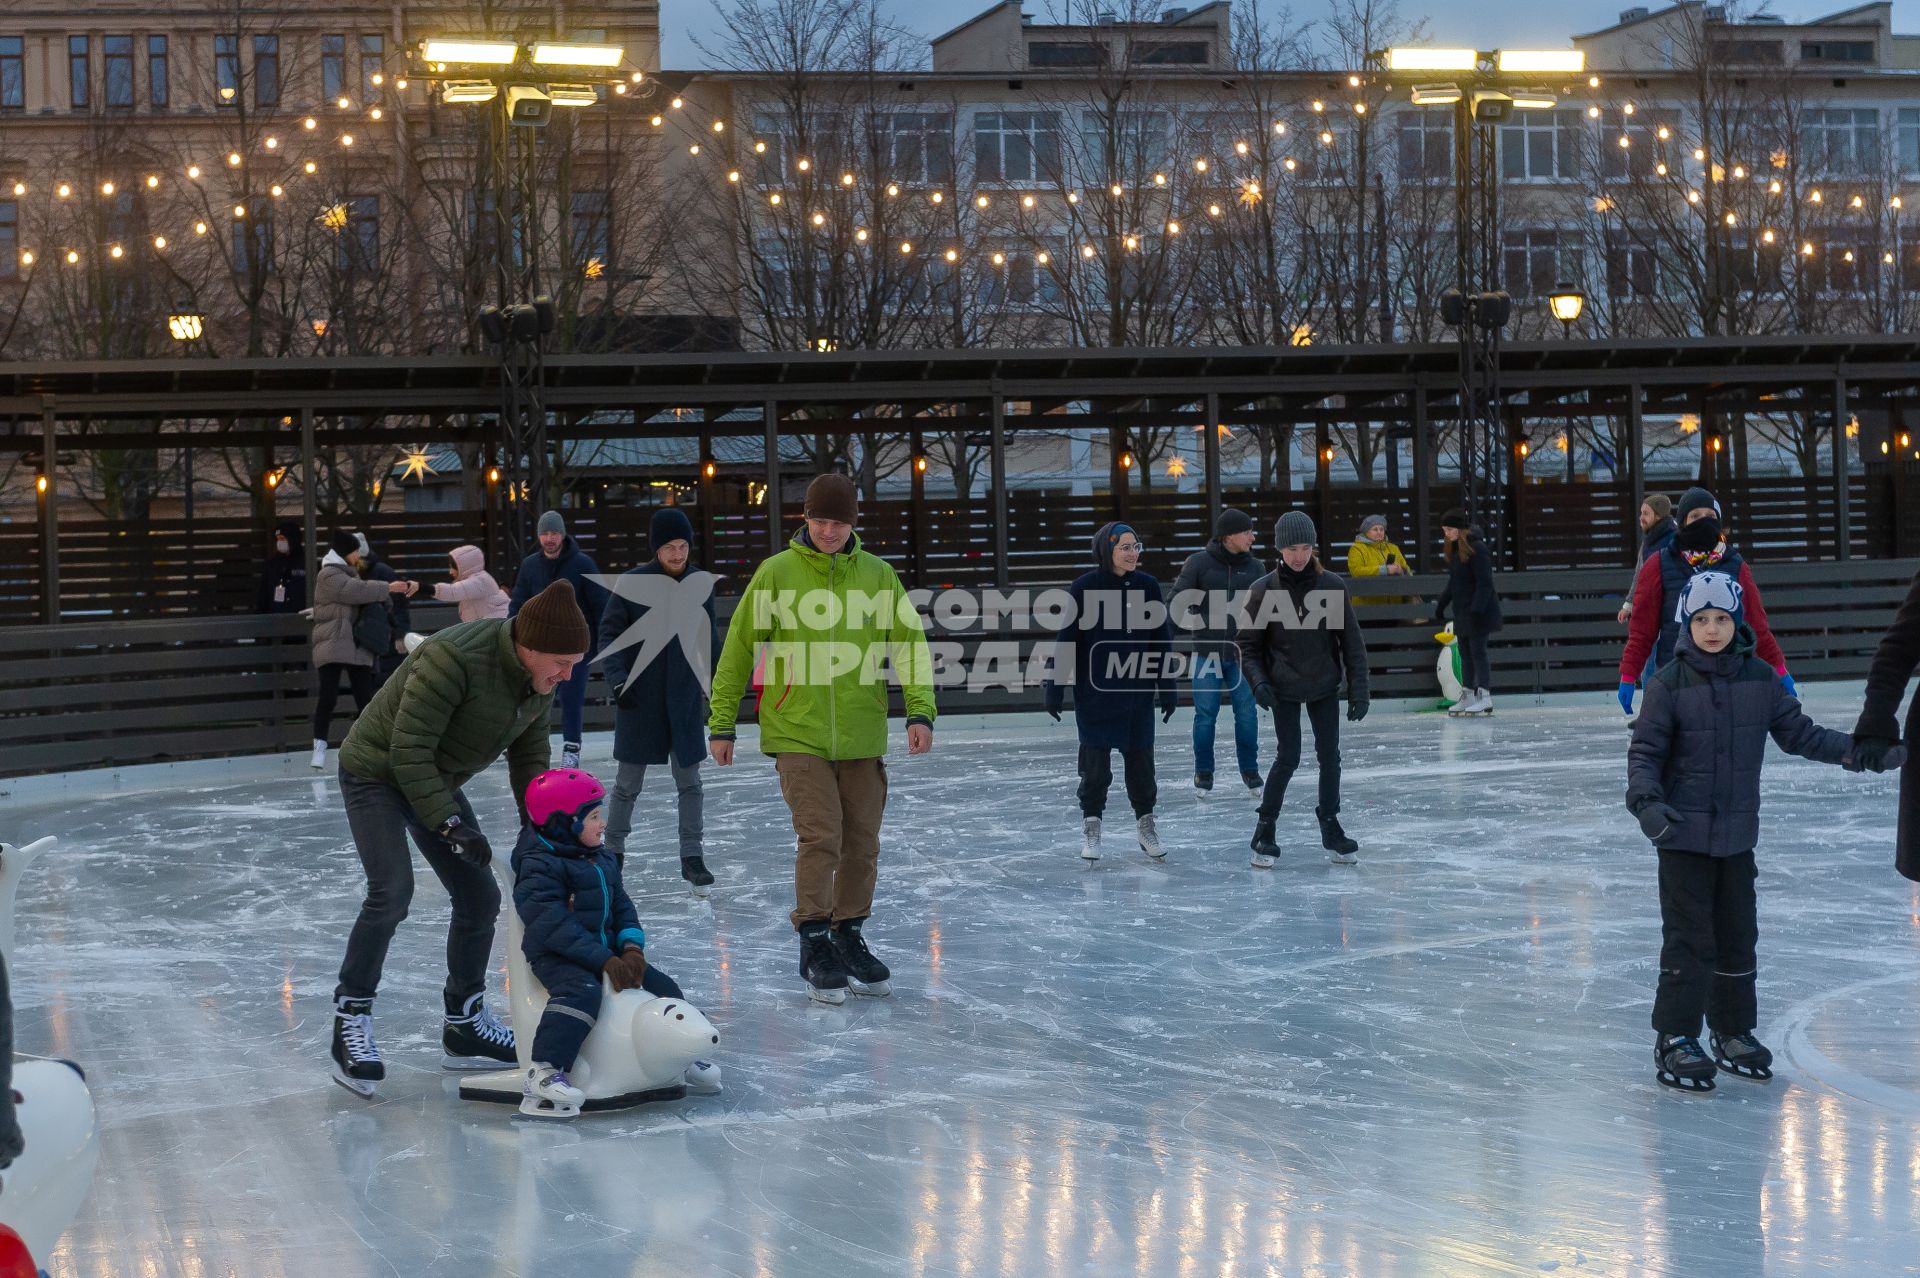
point(1213, 210)
point(309, 124)
point(233, 159)
point(1043, 257)
point(999, 259)
point(63, 190)
point(153, 181)
point(1115, 188)
point(1626, 109)
point(1814, 195)
point(239, 210)
point(803, 165)
point(693, 149)
point(846, 179)
point(193, 171)
point(656, 122)
point(26, 257)
point(893, 189)
point(759, 148)
point(346, 139)
point(106, 188)
point(343, 102)
point(774, 198)
point(939, 197)
point(1200, 166)
point(981, 201)
point(1766, 237)
point(1318, 105)
point(1026, 201)
point(1240, 148)
point(374, 114)
point(906, 246)
point(1086, 251)
point(719, 126)
point(277, 190)
point(733, 175)
point(199, 228)
point(19, 188)
point(311, 167)
point(952, 255)
point(1593, 113)
point(160, 242)
point(73, 258)
point(678, 103)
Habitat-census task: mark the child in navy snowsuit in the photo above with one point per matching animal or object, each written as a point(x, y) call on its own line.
point(580, 924)
point(1693, 780)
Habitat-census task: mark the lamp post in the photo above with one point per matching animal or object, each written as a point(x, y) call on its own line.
point(1484, 89)
point(1566, 302)
point(520, 83)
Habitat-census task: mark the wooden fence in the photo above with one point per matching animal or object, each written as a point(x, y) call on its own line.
point(123, 692)
point(175, 567)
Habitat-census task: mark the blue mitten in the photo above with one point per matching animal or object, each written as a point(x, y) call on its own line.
point(1791, 690)
point(1626, 697)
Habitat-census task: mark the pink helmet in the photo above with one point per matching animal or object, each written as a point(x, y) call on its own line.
point(560, 800)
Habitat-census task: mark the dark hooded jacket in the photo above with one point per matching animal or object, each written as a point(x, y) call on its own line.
point(285, 575)
point(1470, 591)
point(1119, 668)
point(664, 713)
point(572, 564)
point(1702, 736)
point(1215, 570)
point(1893, 665)
point(1302, 637)
point(573, 904)
point(1657, 538)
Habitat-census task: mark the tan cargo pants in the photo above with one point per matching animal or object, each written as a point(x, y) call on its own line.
point(836, 810)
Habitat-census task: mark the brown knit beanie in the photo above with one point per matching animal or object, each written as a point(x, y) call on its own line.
point(1660, 504)
point(834, 497)
point(551, 622)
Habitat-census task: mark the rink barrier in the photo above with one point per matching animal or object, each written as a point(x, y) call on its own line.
point(85, 695)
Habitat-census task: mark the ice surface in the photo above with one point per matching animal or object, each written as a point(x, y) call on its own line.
point(1436, 1062)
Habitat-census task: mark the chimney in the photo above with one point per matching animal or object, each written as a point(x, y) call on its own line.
point(1108, 17)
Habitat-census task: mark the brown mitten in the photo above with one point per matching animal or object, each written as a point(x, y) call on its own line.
point(626, 969)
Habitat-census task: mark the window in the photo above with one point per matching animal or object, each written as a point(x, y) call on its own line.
point(591, 226)
point(79, 72)
point(1845, 141)
point(9, 239)
point(359, 245)
point(253, 239)
point(1015, 146)
point(1752, 263)
point(157, 77)
point(921, 147)
point(820, 143)
point(1762, 52)
point(1425, 143)
point(1907, 138)
point(1161, 53)
point(1044, 54)
point(116, 52)
point(333, 67)
point(1836, 50)
point(1645, 149)
point(373, 57)
point(1844, 264)
point(1540, 146)
point(1530, 261)
point(266, 71)
point(1140, 140)
point(226, 69)
point(1018, 282)
point(13, 73)
point(1633, 273)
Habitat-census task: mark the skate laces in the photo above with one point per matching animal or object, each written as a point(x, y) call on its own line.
point(1687, 1050)
point(484, 1024)
point(356, 1031)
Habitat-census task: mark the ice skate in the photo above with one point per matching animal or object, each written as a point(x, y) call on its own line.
point(1254, 782)
point(1680, 1064)
point(1742, 1054)
point(412, 640)
point(703, 1078)
point(1265, 850)
point(1340, 848)
point(1150, 838)
point(868, 974)
point(319, 759)
point(548, 1093)
point(1203, 783)
point(820, 965)
point(694, 870)
point(474, 1039)
point(570, 754)
point(356, 1060)
point(1090, 850)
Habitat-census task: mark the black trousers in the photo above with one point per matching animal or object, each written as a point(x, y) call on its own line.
point(359, 678)
point(1096, 777)
point(1476, 671)
point(1324, 714)
point(1708, 931)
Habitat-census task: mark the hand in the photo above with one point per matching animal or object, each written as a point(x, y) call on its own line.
point(400, 647)
point(1626, 697)
point(1870, 754)
point(919, 738)
point(1055, 712)
point(1626, 610)
point(721, 749)
point(1263, 695)
point(1787, 679)
point(399, 587)
point(1357, 710)
point(1167, 708)
point(1657, 820)
point(626, 969)
point(467, 841)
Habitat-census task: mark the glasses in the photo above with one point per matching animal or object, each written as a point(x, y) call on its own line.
point(1135, 546)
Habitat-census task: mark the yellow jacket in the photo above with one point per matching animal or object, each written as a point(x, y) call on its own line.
point(1369, 559)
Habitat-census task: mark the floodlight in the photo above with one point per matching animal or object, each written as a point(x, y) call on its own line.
point(1436, 94)
point(578, 55)
point(470, 51)
point(468, 91)
point(1540, 61)
point(1432, 59)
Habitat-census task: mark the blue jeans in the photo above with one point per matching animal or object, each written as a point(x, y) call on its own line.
point(572, 696)
point(1207, 684)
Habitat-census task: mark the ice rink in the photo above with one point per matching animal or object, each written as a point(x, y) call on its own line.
point(1436, 1062)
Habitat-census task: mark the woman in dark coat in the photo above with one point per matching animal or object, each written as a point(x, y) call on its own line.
point(661, 716)
point(283, 578)
point(1470, 591)
point(1119, 670)
point(1878, 730)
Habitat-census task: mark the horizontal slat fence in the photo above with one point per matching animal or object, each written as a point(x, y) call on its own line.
point(110, 693)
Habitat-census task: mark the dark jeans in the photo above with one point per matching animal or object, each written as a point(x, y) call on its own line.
point(1325, 717)
point(1708, 930)
point(573, 1005)
point(1207, 686)
point(1096, 777)
point(1475, 670)
point(380, 819)
point(626, 791)
point(359, 678)
point(572, 696)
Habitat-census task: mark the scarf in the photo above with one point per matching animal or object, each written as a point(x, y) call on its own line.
point(1297, 583)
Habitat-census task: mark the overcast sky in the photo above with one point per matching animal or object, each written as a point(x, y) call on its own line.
point(1481, 23)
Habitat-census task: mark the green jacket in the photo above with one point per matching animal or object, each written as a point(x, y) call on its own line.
point(797, 648)
point(446, 714)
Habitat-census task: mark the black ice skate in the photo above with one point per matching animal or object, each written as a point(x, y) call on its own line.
point(1254, 782)
point(869, 975)
point(1680, 1064)
point(694, 870)
point(1265, 850)
point(1203, 782)
point(1742, 1054)
point(1340, 848)
point(356, 1061)
point(820, 965)
point(473, 1039)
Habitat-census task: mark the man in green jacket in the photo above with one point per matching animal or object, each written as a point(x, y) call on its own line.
point(462, 698)
point(819, 625)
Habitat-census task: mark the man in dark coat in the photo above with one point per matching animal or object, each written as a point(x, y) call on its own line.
point(560, 559)
point(1210, 588)
point(399, 612)
point(1693, 782)
point(1119, 655)
point(1878, 731)
point(283, 578)
point(661, 707)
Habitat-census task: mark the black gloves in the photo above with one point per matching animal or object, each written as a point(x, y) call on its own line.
point(1657, 819)
point(1055, 712)
point(1875, 754)
point(1263, 695)
point(467, 841)
point(1439, 616)
point(1357, 710)
point(1167, 706)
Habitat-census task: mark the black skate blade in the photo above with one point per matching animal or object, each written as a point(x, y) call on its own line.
point(1754, 1073)
point(1683, 1082)
point(474, 1064)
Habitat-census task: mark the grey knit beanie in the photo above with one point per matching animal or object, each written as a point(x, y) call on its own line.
point(551, 522)
point(1295, 528)
point(1371, 522)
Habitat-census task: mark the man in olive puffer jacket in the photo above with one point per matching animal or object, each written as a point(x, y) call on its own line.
point(457, 702)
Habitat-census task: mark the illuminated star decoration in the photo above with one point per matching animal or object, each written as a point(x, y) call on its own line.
point(334, 218)
point(595, 268)
point(417, 463)
point(1176, 467)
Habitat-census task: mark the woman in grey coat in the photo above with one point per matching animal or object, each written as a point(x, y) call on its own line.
point(338, 595)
